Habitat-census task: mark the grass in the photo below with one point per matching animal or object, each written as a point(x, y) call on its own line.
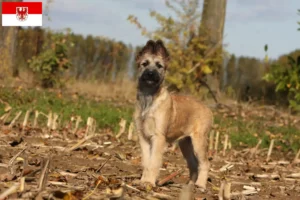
point(106, 113)
point(247, 132)
point(242, 131)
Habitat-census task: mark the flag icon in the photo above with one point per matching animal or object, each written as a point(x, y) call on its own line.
point(22, 14)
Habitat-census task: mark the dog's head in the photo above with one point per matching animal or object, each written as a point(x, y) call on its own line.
point(152, 63)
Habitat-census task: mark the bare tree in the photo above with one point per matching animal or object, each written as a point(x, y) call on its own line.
point(8, 37)
point(212, 29)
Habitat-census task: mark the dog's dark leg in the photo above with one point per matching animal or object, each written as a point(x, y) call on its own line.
point(187, 150)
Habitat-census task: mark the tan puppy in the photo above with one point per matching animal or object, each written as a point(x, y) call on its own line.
point(161, 118)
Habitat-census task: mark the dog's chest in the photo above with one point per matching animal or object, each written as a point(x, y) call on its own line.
point(152, 124)
point(149, 127)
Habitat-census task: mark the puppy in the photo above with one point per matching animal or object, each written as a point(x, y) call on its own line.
point(161, 118)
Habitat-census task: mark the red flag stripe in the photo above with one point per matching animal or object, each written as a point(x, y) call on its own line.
point(33, 7)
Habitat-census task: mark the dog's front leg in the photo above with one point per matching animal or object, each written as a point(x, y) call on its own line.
point(145, 148)
point(158, 144)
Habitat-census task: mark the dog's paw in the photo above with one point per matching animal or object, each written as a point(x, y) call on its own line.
point(201, 189)
point(136, 182)
point(143, 185)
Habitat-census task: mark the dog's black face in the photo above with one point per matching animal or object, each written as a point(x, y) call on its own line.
point(152, 64)
point(150, 78)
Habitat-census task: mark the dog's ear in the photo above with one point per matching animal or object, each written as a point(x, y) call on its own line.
point(162, 50)
point(148, 48)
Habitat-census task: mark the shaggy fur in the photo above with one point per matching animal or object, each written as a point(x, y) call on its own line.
point(161, 118)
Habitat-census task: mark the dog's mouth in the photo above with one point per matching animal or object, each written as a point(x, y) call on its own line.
point(150, 79)
point(150, 82)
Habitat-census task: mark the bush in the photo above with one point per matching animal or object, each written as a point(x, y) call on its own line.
point(49, 65)
point(286, 78)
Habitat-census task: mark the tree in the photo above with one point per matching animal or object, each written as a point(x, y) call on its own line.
point(212, 28)
point(180, 34)
point(287, 77)
point(231, 71)
point(8, 42)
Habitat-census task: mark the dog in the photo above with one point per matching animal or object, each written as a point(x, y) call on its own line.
point(161, 118)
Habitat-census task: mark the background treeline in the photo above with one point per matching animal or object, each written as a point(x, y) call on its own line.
point(92, 58)
point(103, 59)
point(242, 79)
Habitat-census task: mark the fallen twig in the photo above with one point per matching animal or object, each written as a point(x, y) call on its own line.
point(5, 116)
point(272, 176)
point(294, 175)
point(88, 195)
point(54, 124)
point(22, 184)
point(66, 185)
point(130, 187)
point(44, 175)
point(98, 170)
point(80, 142)
point(78, 120)
point(244, 183)
point(49, 122)
point(26, 118)
point(254, 150)
point(217, 142)
point(225, 144)
point(221, 191)
point(226, 167)
point(15, 119)
point(12, 160)
point(245, 192)
point(296, 159)
point(130, 131)
point(36, 116)
point(169, 177)
point(122, 125)
point(161, 196)
point(90, 127)
point(211, 140)
point(270, 150)
point(10, 191)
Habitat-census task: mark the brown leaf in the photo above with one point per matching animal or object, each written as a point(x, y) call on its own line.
point(7, 177)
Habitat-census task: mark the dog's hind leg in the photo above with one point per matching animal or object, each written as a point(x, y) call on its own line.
point(187, 150)
point(200, 144)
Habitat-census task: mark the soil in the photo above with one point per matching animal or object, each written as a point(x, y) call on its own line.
point(103, 167)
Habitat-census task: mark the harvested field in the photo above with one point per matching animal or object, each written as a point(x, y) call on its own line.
point(72, 162)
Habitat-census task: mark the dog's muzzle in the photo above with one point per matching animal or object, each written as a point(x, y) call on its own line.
point(150, 77)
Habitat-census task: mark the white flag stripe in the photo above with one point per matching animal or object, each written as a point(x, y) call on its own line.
point(32, 20)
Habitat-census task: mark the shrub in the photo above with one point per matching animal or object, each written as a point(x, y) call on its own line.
point(49, 65)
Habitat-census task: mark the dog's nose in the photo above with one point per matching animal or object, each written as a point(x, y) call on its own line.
point(150, 73)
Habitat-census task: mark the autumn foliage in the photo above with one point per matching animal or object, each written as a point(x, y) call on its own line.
point(181, 36)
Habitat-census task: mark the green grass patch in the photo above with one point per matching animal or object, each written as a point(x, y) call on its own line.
point(249, 131)
point(107, 114)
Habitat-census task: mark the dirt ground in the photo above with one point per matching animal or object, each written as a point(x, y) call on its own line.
point(38, 164)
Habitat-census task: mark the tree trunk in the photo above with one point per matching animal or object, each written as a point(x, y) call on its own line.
point(212, 29)
point(8, 37)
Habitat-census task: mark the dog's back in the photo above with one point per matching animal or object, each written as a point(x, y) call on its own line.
point(187, 115)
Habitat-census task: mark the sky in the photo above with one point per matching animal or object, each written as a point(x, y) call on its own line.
point(249, 25)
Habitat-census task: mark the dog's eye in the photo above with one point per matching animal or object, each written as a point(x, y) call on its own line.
point(158, 65)
point(145, 63)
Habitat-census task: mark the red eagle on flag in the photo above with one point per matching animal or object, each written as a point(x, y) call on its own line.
point(22, 13)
